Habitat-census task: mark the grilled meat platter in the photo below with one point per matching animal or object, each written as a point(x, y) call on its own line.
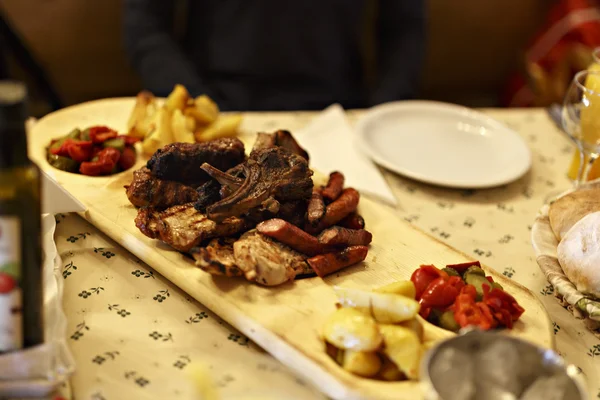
point(257, 216)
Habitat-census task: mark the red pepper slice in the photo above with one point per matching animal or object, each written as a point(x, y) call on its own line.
point(489, 278)
point(456, 282)
point(80, 151)
point(109, 154)
point(107, 159)
point(464, 266)
point(439, 293)
point(95, 168)
point(424, 312)
point(127, 159)
point(100, 134)
point(63, 150)
point(423, 276)
point(504, 307)
point(467, 312)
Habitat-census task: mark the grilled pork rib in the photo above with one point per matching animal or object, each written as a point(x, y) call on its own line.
point(183, 227)
point(148, 191)
point(272, 176)
point(280, 138)
point(181, 162)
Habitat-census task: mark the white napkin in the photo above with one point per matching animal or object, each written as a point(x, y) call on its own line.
point(56, 200)
point(330, 141)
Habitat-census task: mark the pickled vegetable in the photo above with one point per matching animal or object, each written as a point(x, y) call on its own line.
point(117, 143)
point(63, 163)
point(74, 134)
point(451, 271)
point(447, 321)
point(475, 270)
point(85, 134)
point(478, 281)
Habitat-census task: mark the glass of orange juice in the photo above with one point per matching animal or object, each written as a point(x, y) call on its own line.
point(581, 119)
point(594, 171)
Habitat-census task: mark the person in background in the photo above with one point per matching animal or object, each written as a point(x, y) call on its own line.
point(279, 54)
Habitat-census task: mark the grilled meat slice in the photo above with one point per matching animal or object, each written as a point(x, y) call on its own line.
point(271, 176)
point(183, 227)
point(217, 257)
point(209, 193)
point(266, 261)
point(280, 138)
point(148, 191)
point(181, 162)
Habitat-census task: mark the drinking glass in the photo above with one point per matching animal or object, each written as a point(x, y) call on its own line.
point(581, 119)
point(576, 162)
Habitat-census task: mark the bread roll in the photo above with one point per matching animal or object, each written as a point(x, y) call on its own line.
point(569, 209)
point(579, 254)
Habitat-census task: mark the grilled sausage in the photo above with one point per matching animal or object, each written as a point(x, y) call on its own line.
point(316, 208)
point(338, 210)
point(353, 221)
point(338, 236)
point(334, 187)
point(326, 264)
point(291, 235)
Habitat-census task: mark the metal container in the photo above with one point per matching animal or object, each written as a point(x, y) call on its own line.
point(487, 365)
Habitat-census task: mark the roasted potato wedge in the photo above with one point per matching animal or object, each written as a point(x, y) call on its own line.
point(180, 126)
point(224, 126)
point(389, 371)
point(161, 135)
point(336, 354)
point(141, 118)
point(384, 307)
point(415, 326)
point(403, 347)
point(349, 329)
point(403, 288)
point(177, 99)
point(361, 362)
point(204, 110)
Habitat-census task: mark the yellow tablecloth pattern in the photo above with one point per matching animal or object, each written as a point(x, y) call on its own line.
point(134, 335)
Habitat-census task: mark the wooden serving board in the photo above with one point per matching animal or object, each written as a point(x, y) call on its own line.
point(284, 320)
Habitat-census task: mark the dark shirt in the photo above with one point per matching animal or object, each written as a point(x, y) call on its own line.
point(278, 54)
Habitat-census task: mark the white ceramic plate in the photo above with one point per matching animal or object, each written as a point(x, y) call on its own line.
point(443, 144)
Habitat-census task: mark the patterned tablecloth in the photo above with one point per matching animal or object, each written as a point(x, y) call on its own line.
point(134, 334)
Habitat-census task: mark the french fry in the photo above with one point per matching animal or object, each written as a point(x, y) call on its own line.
point(161, 135)
point(180, 128)
point(177, 99)
point(204, 110)
point(142, 115)
point(224, 126)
